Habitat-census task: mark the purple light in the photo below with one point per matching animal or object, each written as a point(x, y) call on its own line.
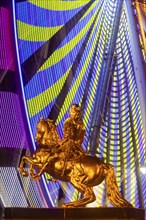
point(6, 56)
point(12, 128)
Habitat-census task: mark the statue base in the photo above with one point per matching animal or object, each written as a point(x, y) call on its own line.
point(101, 213)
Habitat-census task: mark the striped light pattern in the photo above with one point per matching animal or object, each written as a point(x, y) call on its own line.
point(6, 55)
point(122, 139)
point(140, 14)
point(19, 192)
point(13, 133)
point(11, 192)
point(63, 46)
point(12, 127)
point(33, 192)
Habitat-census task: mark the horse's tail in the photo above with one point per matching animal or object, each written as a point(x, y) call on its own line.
point(113, 193)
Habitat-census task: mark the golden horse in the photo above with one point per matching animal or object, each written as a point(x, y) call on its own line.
point(83, 173)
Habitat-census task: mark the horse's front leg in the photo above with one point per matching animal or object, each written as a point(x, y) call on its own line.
point(43, 166)
point(34, 175)
point(31, 170)
point(23, 161)
point(24, 173)
point(38, 175)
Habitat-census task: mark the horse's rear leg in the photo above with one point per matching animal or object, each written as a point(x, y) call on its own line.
point(87, 192)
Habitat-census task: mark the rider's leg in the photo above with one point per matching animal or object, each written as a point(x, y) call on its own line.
point(31, 170)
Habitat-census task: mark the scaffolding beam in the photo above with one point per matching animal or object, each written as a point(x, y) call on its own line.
point(103, 84)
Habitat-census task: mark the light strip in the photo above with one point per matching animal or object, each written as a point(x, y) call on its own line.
point(48, 191)
point(21, 81)
point(20, 73)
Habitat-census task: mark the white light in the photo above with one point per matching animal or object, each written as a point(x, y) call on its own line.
point(143, 169)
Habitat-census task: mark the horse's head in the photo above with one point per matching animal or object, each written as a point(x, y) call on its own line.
point(47, 133)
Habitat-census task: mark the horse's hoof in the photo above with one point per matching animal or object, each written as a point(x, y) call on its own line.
point(63, 206)
point(67, 206)
point(52, 180)
point(24, 173)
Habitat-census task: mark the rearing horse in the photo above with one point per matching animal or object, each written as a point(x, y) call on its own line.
point(83, 174)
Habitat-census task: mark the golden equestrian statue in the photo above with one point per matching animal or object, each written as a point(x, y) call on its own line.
point(66, 160)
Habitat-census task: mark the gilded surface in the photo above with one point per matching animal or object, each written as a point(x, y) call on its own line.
point(67, 161)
